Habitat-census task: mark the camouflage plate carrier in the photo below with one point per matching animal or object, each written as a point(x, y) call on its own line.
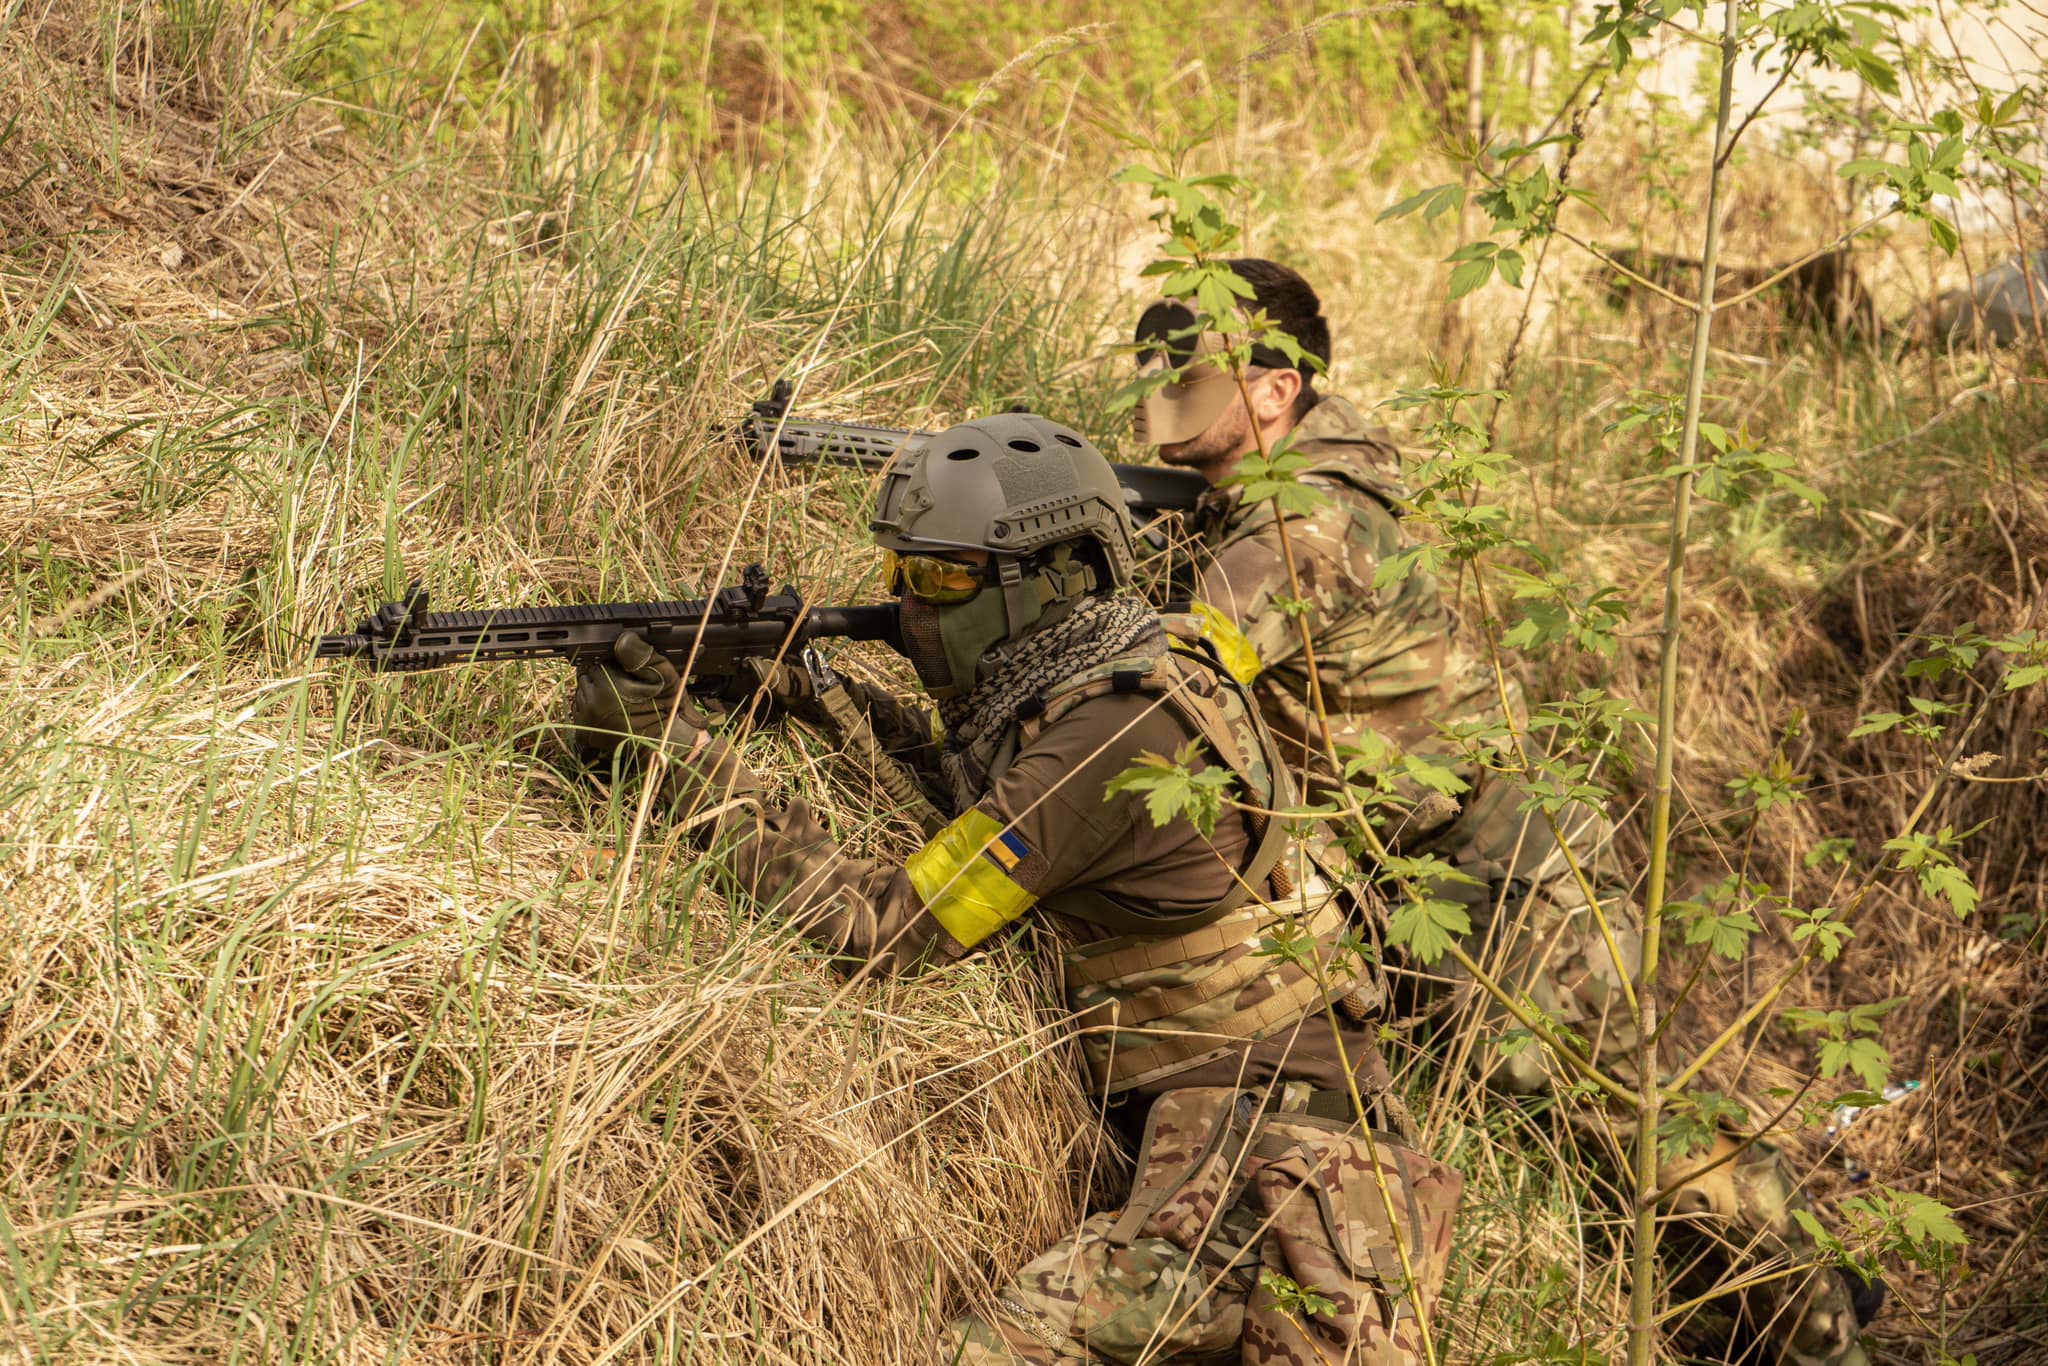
point(1240, 1193)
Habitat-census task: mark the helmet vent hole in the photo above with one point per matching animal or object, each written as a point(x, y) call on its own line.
point(964, 453)
point(1020, 444)
point(1066, 440)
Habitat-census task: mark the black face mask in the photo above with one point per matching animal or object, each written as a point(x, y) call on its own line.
point(923, 646)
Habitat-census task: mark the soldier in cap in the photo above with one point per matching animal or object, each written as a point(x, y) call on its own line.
point(1009, 550)
point(1399, 672)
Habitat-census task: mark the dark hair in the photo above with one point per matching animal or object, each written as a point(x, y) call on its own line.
point(1290, 301)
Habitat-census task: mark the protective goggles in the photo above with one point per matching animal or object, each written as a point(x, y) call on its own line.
point(931, 579)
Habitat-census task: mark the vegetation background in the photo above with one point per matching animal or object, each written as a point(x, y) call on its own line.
point(334, 1028)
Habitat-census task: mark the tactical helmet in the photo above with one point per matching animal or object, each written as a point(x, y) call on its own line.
point(1008, 484)
point(1027, 491)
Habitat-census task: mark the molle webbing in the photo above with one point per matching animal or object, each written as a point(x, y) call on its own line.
point(1158, 1003)
point(1112, 959)
point(1125, 1045)
point(1130, 1067)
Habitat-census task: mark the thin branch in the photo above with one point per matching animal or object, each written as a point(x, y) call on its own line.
point(1643, 1271)
point(1618, 268)
point(1741, 1146)
point(1750, 117)
point(1865, 226)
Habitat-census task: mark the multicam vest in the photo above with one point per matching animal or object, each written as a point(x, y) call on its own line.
point(1395, 660)
point(1166, 994)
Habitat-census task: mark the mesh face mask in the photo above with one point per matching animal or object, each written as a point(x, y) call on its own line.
point(924, 644)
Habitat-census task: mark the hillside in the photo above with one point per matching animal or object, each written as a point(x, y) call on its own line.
point(344, 1023)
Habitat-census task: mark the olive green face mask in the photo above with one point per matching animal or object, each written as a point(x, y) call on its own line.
point(953, 646)
point(950, 645)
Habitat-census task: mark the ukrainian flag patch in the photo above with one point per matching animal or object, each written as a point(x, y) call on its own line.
point(1008, 850)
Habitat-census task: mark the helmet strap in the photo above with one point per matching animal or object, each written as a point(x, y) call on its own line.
point(1021, 602)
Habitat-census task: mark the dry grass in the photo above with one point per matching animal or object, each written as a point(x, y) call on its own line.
point(330, 1033)
point(326, 1036)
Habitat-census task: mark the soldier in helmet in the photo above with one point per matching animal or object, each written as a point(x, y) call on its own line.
point(1007, 545)
point(1399, 672)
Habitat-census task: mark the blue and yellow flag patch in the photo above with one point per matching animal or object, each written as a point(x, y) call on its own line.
point(1008, 850)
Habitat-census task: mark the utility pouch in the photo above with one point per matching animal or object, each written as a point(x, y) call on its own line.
point(1314, 1180)
point(1187, 1168)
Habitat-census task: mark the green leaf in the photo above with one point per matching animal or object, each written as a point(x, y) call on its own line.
point(1470, 276)
point(1435, 201)
point(2026, 171)
point(1291, 1297)
point(1427, 557)
point(1953, 885)
point(1875, 70)
point(1509, 263)
point(1823, 1237)
point(1818, 925)
point(1865, 166)
point(1943, 234)
point(1930, 1221)
point(1428, 927)
point(1172, 791)
point(1727, 935)
point(1877, 723)
point(1829, 849)
point(1868, 1060)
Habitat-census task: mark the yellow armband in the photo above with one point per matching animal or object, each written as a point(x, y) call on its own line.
point(962, 877)
point(1237, 653)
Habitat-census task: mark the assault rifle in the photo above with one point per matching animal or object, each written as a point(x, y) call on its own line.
point(1151, 491)
point(714, 636)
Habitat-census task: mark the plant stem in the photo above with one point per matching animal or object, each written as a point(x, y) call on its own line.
point(1643, 1290)
point(1315, 691)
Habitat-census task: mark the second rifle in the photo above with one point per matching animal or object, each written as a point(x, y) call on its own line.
point(1151, 491)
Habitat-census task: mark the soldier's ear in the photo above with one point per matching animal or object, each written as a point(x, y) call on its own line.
point(1273, 397)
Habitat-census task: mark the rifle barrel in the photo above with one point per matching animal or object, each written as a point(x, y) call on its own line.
point(716, 633)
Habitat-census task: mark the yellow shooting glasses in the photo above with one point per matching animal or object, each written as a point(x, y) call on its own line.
point(929, 578)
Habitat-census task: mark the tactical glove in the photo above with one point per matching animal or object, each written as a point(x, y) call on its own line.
point(631, 696)
point(782, 689)
point(626, 696)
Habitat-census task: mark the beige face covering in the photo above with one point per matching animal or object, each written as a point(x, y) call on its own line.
point(1184, 409)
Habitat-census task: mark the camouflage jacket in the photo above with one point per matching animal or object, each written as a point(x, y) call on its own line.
point(1155, 1010)
point(1395, 663)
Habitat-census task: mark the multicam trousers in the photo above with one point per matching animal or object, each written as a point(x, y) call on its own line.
point(1249, 1233)
point(1543, 942)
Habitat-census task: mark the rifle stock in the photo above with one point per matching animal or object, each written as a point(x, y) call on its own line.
point(714, 636)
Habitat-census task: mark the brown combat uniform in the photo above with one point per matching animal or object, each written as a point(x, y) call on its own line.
point(1398, 665)
point(1251, 1163)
